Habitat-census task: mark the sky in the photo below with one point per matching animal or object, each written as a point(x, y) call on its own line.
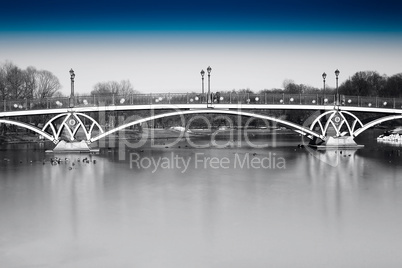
point(161, 46)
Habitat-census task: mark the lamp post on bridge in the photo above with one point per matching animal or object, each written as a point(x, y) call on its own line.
point(209, 99)
point(202, 88)
point(337, 95)
point(324, 75)
point(72, 101)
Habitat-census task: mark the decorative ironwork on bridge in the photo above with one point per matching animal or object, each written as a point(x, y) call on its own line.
point(342, 122)
point(71, 123)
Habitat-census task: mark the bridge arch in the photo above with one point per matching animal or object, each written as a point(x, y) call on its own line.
point(71, 129)
point(337, 120)
point(30, 127)
point(300, 129)
point(375, 122)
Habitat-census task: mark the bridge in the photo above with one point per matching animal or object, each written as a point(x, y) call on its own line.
point(336, 124)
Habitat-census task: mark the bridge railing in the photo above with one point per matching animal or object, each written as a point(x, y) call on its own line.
point(375, 102)
point(197, 98)
point(34, 104)
point(139, 99)
point(267, 98)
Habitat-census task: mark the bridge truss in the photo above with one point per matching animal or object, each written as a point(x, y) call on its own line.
point(334, 120)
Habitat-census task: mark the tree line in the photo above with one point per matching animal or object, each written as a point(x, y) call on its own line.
point(122, 88)
point(29, 83)
point(363, 83)
point(371, 83)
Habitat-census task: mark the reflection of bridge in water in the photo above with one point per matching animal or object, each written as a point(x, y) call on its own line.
point(72, 115)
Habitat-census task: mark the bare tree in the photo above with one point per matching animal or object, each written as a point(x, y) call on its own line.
point(58, 94)
point(29, 82)
point(14, 80)
point(16, 83)
point(101, 88)
point(47, 84)
point(393, 87)
point(126, 88)
point(367, 83)
point(287, 82)
point(113, 87)
point(3, 87)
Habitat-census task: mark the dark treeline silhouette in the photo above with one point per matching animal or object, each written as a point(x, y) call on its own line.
point(20, 84)
point(371, 83)
point(367, 83)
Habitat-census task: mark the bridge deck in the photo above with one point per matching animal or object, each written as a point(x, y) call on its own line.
point(264, 101)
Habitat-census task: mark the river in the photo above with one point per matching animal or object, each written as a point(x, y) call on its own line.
point(174, 205)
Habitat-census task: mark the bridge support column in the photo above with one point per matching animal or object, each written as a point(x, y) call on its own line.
point(335, 142)
point(338, 128)
point(72, 147)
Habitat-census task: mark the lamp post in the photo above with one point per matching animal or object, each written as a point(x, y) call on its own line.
point(72, 76)
point(209, 69)
point(202, 78)
point(337, 96)
point(324, 75)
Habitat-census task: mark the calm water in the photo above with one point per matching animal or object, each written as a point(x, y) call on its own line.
point(280, 206)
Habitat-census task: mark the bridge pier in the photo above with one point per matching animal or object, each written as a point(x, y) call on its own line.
point(343, 142)
point(72, 147)
point(338, 128)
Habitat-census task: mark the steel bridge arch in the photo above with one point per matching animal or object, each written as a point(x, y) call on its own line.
point(343, 121)
point(300, 129)
point(30, 127)
point(375, 122)
point(79, 125)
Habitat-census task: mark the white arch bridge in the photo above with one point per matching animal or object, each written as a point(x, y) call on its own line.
point(332, 120)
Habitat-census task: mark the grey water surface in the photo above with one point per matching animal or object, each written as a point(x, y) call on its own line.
point(237, 206)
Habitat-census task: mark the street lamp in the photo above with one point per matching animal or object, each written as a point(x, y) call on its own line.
point(209, 69)
point(202, 77)
point(337, 96)
point(72, 76)
point(324, 75)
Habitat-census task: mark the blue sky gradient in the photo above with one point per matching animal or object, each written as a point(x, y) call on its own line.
point(118, 15)
point(162, 45)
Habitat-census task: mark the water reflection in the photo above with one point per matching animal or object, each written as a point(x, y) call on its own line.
point(74, 189)
point(392, 143)
point(108, 214)
point(334, 164)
